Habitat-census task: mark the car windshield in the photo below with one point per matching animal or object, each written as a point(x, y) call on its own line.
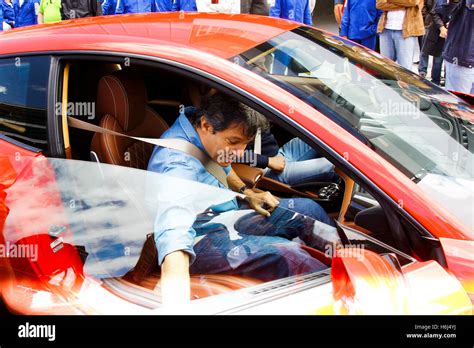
point(424, 131)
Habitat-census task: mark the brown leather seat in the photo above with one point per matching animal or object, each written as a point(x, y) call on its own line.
point(122, 107)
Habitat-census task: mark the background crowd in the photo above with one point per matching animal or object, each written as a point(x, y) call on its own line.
point(442, 29)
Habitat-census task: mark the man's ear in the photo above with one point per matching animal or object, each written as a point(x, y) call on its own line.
point(206, 126)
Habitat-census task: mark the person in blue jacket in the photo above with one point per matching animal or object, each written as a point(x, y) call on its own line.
point(25, 12)
point(109, 7)
point(164, 5)
point(295, 10)
point(8, 14)
point(135, 6)
point(185, 5)
point(359, 22)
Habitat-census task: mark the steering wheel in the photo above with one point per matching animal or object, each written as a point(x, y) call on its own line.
point(255, 178)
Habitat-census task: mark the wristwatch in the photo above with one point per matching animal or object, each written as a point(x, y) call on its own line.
point(243, 188)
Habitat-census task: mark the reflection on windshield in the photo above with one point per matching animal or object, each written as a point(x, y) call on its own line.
point(415, 125)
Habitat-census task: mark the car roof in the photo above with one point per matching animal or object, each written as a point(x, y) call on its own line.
point(223, 35)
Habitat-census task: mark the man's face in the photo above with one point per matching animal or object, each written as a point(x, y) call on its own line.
point(223, 146)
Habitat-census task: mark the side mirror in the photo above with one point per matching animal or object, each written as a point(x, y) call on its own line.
point(367, 283)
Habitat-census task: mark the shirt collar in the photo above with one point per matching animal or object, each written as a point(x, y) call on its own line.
point(190, 132)
point(192, 136)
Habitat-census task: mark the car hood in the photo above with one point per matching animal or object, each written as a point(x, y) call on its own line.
point(455, 194)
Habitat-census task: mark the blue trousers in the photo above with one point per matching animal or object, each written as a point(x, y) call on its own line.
point(263, 248)
point(435, 70)
point(303, 165)
point(397, 48)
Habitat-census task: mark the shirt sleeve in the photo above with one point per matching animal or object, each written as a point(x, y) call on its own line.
point(175, 217)
point(262, 161)
point(444, 9)
point(254, 160)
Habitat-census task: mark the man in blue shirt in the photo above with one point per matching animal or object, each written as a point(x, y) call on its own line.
point(263, 248)
point(135, 6)
point(26, 12)
point(295, 10)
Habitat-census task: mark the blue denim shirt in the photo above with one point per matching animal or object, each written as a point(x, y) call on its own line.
point(173, 224)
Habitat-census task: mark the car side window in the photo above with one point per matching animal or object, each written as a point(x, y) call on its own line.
point(23, 99)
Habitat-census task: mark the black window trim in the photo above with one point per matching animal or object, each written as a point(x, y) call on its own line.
point(19, 144)
point(54, 124)
point(50, 124)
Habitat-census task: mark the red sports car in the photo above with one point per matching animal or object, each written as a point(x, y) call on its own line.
point(77, 203)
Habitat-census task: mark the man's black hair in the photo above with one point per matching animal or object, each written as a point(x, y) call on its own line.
point(223, 112)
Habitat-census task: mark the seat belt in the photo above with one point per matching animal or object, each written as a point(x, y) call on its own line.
point(176, 144)
point(257, 145)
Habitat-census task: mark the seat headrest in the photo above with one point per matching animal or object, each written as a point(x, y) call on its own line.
point(123, 96)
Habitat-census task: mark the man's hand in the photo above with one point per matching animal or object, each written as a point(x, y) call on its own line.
point(443, 32)
point(262, 202)
point(276, 163)
point(175, 280)
point(338, 8)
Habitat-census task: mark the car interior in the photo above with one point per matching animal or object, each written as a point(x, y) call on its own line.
point(143, 101)
point(139, 102)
